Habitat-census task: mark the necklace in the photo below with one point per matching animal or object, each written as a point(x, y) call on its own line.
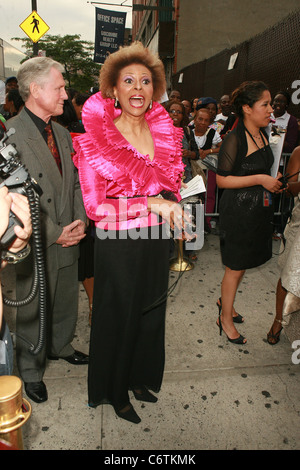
point(256, 137)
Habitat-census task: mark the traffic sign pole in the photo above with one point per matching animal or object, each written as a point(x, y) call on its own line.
point(35, 47)
point(35, 27)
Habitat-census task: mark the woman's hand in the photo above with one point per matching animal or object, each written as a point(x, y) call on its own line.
point(173, 214)
point(189, 154)
point(271, 184)
point(236, 182)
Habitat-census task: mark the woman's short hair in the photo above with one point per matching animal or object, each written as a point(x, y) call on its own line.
point(248, 93)
point(286, 95)
point(35, 70)
point(14, 96)
point(202, 110)
point(136, 53)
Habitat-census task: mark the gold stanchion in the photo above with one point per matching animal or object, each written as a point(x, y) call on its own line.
point(180, 263)
point(14, 411)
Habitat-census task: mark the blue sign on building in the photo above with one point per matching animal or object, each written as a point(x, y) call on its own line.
point(109, 35)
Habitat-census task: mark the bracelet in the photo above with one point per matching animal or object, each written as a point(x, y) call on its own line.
point(14, 258)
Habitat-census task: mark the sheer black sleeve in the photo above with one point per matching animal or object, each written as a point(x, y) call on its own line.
point(228, 154)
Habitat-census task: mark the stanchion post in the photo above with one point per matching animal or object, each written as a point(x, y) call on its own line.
point(180, 263)
point(14, 411)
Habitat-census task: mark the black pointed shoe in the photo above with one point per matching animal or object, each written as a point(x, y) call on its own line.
point(142, 394)
point(128, 413)
point(77, 358)
point(36, 391)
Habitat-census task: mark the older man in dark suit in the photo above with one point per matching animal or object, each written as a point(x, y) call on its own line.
point(46, 149)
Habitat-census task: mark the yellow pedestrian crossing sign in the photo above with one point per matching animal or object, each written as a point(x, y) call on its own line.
point(34, 26)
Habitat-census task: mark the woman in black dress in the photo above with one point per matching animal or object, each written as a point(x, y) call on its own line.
point(246, 211)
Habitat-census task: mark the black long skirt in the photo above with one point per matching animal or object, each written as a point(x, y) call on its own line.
point(127, 347)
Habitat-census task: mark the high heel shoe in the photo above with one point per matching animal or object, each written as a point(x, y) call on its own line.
point(236, 318)
point(142, 394)
point(128, 413)
point(239, 340)
point(274, 336)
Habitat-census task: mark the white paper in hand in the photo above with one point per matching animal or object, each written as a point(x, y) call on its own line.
point(194, 186)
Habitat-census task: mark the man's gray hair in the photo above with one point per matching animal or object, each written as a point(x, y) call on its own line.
point(35, 70)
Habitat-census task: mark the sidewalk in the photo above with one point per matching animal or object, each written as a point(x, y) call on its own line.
point(215, 395)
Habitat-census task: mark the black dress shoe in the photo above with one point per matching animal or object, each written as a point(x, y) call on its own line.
point(77, 357)
point(36, 391)
point(129, 414)
point(142, 394)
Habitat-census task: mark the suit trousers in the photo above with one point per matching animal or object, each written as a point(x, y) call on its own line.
point(62, 310)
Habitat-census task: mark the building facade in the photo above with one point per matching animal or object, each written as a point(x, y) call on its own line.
point(10, 60)
point(186, 32)
point(154, 24)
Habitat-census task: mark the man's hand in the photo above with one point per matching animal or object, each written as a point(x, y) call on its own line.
point(20, 207)
point(72, 234)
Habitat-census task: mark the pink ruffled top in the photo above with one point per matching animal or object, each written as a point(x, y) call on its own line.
point(115, 178)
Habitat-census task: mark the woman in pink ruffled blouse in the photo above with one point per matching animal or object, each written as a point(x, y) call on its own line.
point(130, 169)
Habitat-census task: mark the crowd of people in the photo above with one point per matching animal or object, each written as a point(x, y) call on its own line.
point(223, 119)
point(111, 165)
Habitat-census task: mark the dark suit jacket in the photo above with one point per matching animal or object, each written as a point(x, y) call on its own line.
point(61, 201)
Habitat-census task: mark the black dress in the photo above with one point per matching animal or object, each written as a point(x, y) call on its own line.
point(128, 333)
point(246, 214)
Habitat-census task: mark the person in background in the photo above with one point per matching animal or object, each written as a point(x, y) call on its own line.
point(78, 101)
point(212, 106)
point(70, 121)
point(13, 103)
point(190, 148)
point(193, 112)
point(188, 108)
point(18, 203)
point(45, 148)
point(11, 83)
point(283, 121)
point(71, 92)
point(209, 142)
point(130, 169)
point(225, 111)
point(175, 95)
point(246, 209)
point(289, 259)
point(69, 118)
